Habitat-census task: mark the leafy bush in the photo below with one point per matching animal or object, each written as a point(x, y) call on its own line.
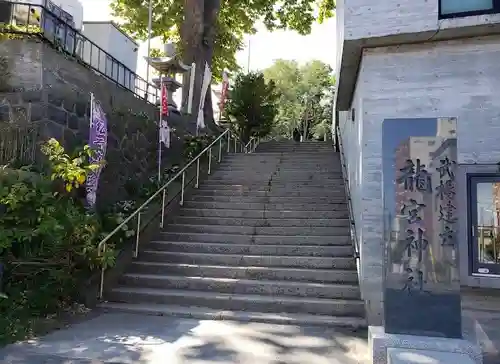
point(72, 171)
point(252, 106)
point(194, 145)
point(48, 240)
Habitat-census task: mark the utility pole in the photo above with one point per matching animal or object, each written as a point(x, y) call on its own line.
point(249, 53)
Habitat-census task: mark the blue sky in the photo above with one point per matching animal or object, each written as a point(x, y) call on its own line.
point(265, 46)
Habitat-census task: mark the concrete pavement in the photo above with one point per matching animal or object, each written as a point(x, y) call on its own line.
point(122, 338)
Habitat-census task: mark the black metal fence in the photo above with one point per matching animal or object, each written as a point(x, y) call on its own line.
point(16, 17)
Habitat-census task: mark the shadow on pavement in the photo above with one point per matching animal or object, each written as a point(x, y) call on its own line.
point(127, 338)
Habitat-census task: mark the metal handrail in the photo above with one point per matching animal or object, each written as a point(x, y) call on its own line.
point(35, 19)
point(252, 145)
point(101, 248)
point(348, 196)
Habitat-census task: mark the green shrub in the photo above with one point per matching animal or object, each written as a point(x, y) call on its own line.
point(48, 239)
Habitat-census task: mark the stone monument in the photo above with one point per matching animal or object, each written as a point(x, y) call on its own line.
point(168, 67)
point(422, 305)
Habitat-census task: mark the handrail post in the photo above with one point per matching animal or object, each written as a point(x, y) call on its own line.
point(235, 141)
point(101, 285)
point(182, 188)
point(163, 207)
point(137, 235)
point(228, 142)
point(197, 173)
point(209, 160)
point(220, 150)
point(102, 246)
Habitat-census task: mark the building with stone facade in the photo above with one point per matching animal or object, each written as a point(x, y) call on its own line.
point(415, 61)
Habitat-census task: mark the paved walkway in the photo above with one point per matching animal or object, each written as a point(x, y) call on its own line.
point(126, 338)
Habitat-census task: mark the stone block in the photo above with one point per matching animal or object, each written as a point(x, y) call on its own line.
point(57, 115)
point(380, 342)
point(4, 112)
point(82, 108)
point(412, 356)
point(32, 96)
point(37, 112)
point(73, 122)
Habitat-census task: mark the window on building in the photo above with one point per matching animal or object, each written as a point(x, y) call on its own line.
point(460, 8)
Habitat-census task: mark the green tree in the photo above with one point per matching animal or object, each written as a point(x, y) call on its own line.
point(305, 97)
point(212, 31)
point(252, 106)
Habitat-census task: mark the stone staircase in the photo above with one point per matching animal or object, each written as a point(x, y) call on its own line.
point(265, 238)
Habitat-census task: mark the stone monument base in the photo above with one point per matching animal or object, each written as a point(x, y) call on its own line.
point(411, 349)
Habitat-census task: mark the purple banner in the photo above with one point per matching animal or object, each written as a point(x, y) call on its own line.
point(98, 138)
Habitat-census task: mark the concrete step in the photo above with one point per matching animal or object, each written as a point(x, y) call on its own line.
point(235, 221)
point(288, 167)
point(251, 260)
point(274, 187)
point(295, 165)
point(261, 214)
point(304, 152)
point(243, 286)
point(265, 230)
point(295, 147)
point(263, 193)
point(252, 249)
point(298, 149)
point(270, 158)
point(239, 302)
point(245, 178)
point(269, 199)
point(279, 170)
point(247, 272)
point(256, 239)
point(264, 187)
point(202, 313)
point(275, 180)
point(263, 206)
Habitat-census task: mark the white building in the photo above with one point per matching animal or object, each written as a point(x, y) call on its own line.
point(69, 10)
point(121, 63)
point(407, 59)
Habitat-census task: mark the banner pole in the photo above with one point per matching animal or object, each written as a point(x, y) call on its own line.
point(159, 128)
point(91, 109)
point(88, 205)
point(191, 88)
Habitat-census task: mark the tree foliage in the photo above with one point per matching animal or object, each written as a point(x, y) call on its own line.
point(235, 19)
point(252, 106)
point(305, 97)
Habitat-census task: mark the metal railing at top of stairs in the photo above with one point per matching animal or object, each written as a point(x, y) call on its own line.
point(101, 248)
point(354, 235)
point(252, 145)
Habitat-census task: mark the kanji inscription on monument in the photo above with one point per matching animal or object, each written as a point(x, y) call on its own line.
point(422, 293)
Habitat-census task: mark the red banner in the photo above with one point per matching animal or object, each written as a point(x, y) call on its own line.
point(164, 99)
point(225, 88)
